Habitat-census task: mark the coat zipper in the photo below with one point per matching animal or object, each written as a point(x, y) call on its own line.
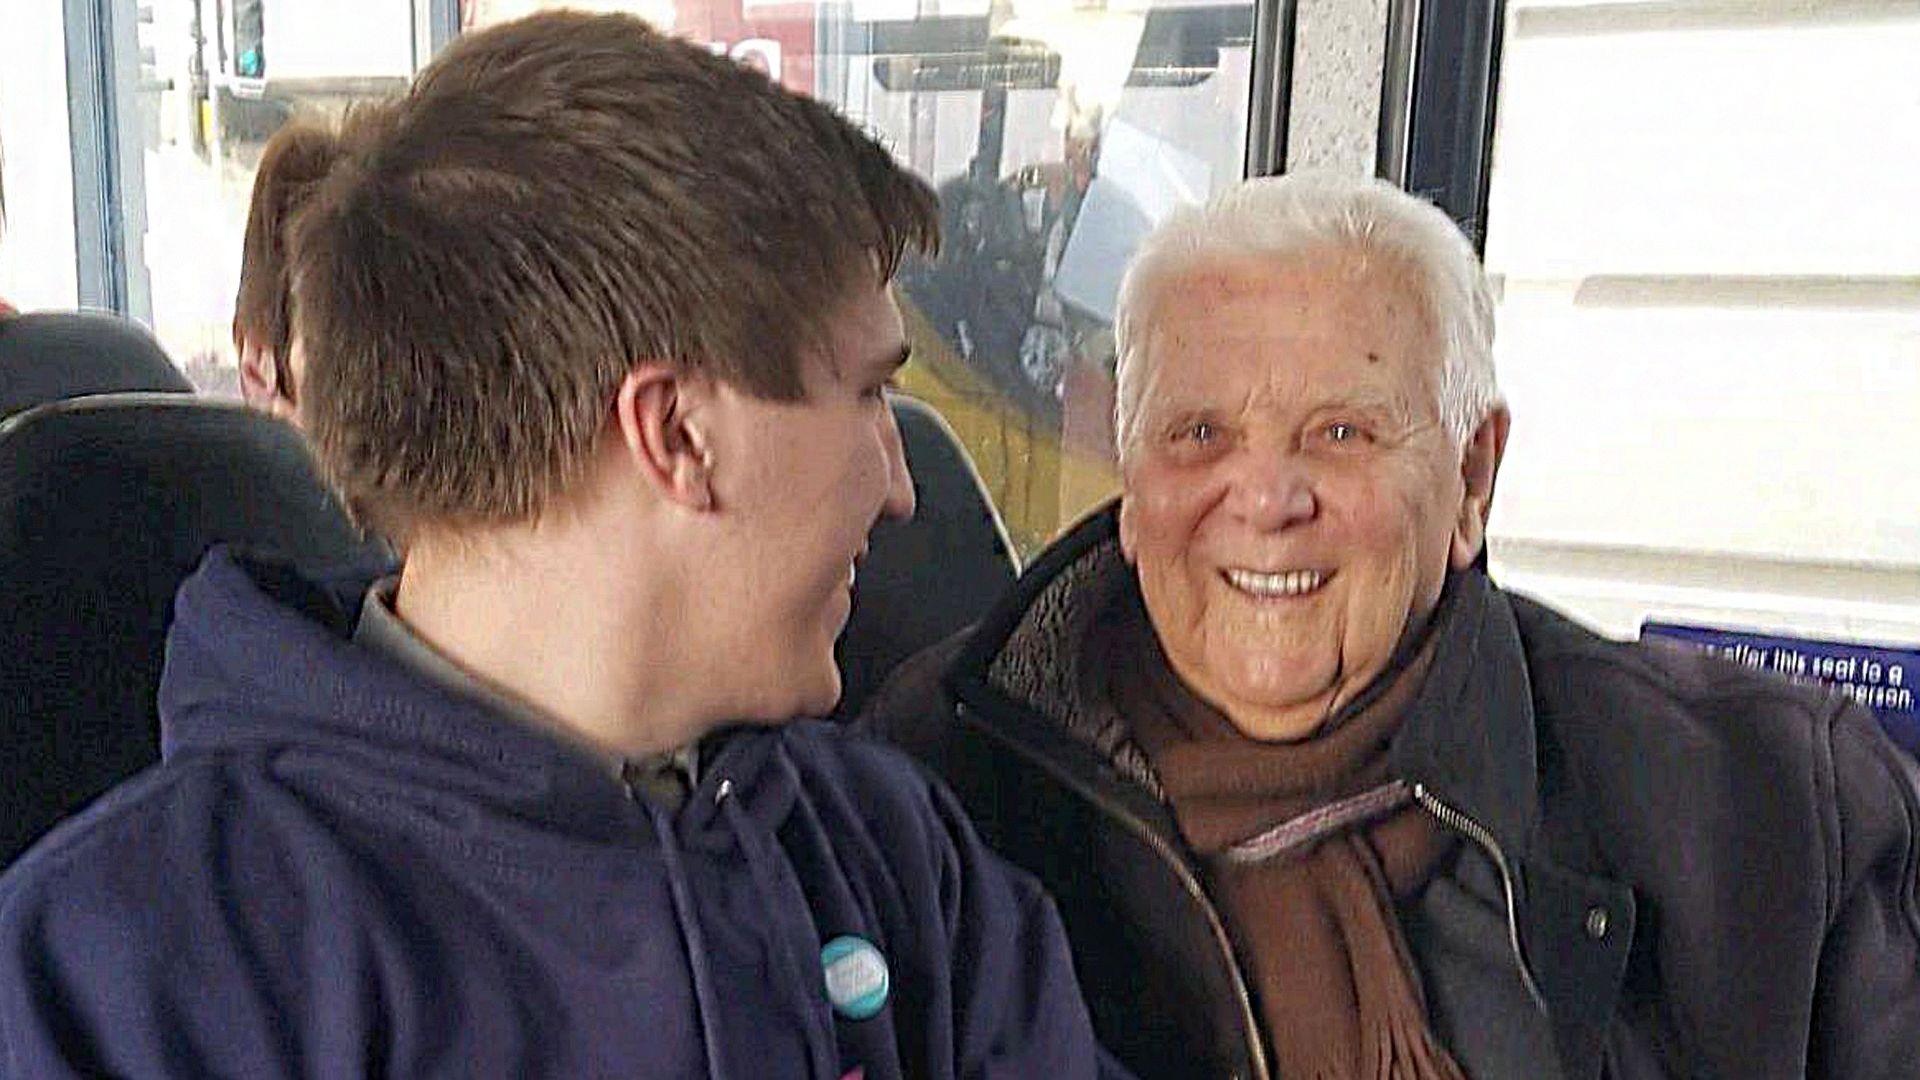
point(1256, 1042)
point(1473, 830)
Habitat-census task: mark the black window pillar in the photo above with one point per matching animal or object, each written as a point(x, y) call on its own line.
point(1437, 103)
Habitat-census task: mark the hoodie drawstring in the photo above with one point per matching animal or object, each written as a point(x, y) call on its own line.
point(689, 923)
point(761, 863)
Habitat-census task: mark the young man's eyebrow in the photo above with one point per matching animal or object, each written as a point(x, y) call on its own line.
point(880, 364)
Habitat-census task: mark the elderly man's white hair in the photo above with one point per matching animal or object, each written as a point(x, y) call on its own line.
point(1282, 217)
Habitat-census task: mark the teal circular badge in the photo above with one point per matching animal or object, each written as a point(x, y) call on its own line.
point(856, 976)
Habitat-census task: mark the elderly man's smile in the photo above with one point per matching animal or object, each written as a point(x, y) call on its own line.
point(1276, 585)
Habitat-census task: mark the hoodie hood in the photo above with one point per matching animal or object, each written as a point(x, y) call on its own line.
point(344, 868)
point(262, 660)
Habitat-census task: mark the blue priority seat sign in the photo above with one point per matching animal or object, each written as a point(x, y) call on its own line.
point(1884, 679)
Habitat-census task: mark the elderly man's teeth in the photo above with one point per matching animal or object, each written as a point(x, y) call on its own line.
point(853, 570)
point(1292, 583)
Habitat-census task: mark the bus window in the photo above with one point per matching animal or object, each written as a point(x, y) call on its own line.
point(36, 177)
point(215, 79)
point(1701, 217)
point(1057, 135)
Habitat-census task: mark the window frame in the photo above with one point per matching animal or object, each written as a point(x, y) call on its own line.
point(1438, 98)
point(109, 176)
point(109, 198)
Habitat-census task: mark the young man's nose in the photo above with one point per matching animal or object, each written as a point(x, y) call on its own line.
point(901, 500)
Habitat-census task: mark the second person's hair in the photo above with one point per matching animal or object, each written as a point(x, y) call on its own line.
point(294, 161)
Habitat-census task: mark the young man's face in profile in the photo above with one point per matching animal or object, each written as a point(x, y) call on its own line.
point(815, 476)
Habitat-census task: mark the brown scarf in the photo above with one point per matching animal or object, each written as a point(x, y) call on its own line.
point(1315, 923)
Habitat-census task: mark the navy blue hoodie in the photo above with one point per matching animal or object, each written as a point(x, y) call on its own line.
point(340, 870)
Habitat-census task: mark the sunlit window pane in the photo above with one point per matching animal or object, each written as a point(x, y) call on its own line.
point(1702, 218)
point(217, 78)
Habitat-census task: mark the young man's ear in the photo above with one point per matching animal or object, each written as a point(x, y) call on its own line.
point(1479, 468)
point(661, 415)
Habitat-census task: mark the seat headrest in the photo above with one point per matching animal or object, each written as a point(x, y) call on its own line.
point(925, 579)
point(52, 356)
point(106, 504)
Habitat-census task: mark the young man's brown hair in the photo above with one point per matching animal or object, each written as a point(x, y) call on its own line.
point(557, 200)
point(295, 159)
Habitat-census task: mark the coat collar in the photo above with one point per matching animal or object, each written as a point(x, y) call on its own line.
point(1029, 651)
point(1470, 739)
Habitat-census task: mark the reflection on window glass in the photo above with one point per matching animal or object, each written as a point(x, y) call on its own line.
point(1702, 216)
point(217, 78)
point(1057, 134)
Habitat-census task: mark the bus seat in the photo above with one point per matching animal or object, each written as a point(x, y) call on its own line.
point(106, 504)
point(50, 356)
point(924, 579)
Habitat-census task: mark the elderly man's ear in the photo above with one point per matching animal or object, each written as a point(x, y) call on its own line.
point(1479, 466)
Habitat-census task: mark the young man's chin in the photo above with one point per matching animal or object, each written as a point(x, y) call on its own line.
point(808, 693)
point(822, 701)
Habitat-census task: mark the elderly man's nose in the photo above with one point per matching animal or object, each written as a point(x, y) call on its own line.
point(1271, 492)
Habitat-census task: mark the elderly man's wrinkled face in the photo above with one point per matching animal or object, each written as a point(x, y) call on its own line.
point(1292, 501)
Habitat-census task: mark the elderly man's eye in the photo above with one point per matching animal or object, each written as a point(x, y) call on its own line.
point(1340, 432)
point(1198, 432)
